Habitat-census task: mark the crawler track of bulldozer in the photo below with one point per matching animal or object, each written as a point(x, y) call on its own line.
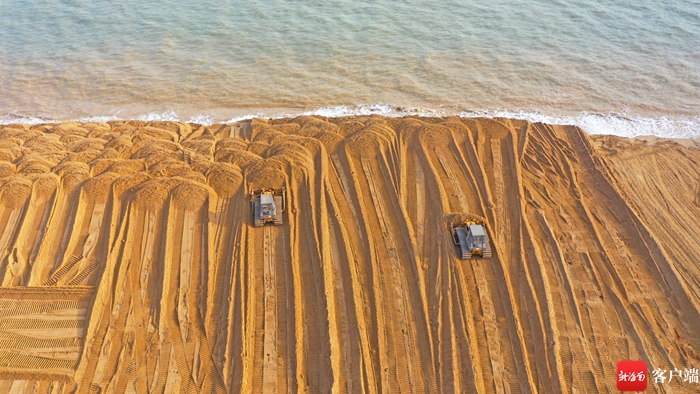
point(462, 242)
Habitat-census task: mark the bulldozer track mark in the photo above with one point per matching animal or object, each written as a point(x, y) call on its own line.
point(311, 312)
point(56, 276)
point(362, 362)
point(419, 219)
point(10, 228)
point(473, 376)
point(41, 308)
point(503, 267)
point(83, 274)
point(453, 180)
point(413, 273)
point(270, 367)
point(17, 360)
point(234, 312)
point(284, 330)
point(257, 315)
point(45, 293)
point(22, 323)
point(406, 365)
point(346, 339)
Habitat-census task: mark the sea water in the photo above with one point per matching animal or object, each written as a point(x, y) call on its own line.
point(625, 67)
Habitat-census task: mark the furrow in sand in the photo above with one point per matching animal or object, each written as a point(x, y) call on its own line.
point(94, 360)
point(18, 268)
point(414, 272)
point(85, 247)
point(173, 319)
point(204, 371)
point(79, 238)
point(38, 231)
point(568, 264)
point(628, 246)
point(365, 360)
point(138, 325)
point(434, 258)
point(493, 367)
point(366, 282)
point(316, 341)
point(252, 379)
point(510, 194)
point(227, 298)
point(458, 201)
point(65, 231)
point(441, 262)
point(219, 247)
point(284, 297)
point(417, 203)
point(10, 220)
point(458, 197)
point(466, 355)
point(395, 363)
point(490, 281)
point(269, 373)
point(418, 371)
point(108, 339)
point(345, 314)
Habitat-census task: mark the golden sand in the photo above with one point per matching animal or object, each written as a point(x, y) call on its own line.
point(130, 263)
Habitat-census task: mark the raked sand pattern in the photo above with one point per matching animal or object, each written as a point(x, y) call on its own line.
point(130, 264)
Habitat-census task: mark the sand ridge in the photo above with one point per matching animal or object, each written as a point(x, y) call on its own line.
point(130, 263)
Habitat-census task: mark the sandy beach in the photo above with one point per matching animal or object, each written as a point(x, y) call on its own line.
point(130, 262)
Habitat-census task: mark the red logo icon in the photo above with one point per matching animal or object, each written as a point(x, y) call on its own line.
point(631, 375)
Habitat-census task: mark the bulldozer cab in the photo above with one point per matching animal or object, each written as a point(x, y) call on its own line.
point(267, 205)
point(476, 238)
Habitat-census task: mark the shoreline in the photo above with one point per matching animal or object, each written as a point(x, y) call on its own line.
point(685, 131)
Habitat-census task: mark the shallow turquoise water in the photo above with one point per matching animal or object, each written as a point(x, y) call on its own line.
point(608, 62)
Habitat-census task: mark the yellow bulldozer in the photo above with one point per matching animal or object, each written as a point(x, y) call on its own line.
point(471, 238)
point(267, 206)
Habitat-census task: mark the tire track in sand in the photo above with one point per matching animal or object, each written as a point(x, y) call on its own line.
point(270, 375)
point(406, 344)
point(456, 291)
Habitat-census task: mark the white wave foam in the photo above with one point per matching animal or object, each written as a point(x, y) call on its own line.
point(374, 109)
point(611, 124)
point(202, 119)
point(632, 127)
point(19, 119)
point(98, 119)
point(339, 111)
point(592, 123)
point(170, 115)
point(155, 117)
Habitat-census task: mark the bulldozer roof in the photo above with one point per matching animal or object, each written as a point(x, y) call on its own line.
point(476, 229)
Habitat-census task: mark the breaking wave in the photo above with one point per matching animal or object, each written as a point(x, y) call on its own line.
point(592, 123)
